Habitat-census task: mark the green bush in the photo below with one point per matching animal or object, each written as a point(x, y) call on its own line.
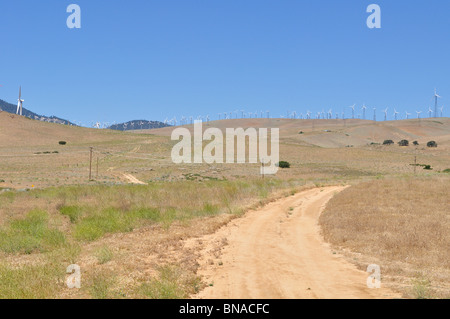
point(62, 142)
point(388, 142)
point(284, 164)
point(432, 144)
point(403, 143)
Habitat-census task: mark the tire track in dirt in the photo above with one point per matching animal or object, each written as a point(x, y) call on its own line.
point(277, 252)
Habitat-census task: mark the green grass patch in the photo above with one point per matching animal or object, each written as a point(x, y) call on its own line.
point(30, 234)
point(104, 255)
point(30, 282)
point(73, 212)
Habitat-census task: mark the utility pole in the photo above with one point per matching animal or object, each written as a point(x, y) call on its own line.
point(415, 164)
point(90, 163)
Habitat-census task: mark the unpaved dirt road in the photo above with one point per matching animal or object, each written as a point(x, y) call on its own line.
point(133, 180)
point(277, 252)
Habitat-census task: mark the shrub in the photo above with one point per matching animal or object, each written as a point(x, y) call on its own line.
point(416, 143)
point(432, 144)
point(388, 142)
point(403, 143)
point(446, 171)
point(427, 167)
point(62, 142)
point(284, 164)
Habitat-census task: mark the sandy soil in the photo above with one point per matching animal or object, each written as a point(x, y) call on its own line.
point(133, 180)
point(277, 252)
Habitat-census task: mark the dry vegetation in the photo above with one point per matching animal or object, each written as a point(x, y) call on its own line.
point(128, 239)
point(402, 224)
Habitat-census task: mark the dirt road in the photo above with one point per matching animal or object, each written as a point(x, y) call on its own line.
point(277, 252)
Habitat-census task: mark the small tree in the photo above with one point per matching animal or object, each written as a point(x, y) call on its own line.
point(62, 142)
point(388, 142)
point(403, 143)
point(432, 144)
point(416, 143)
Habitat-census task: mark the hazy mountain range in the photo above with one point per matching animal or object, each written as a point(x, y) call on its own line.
point(11, 108)
point(128, 126)
point(137, 125)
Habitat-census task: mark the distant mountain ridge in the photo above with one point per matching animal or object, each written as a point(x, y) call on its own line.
point(11, 108)
point(137, 125)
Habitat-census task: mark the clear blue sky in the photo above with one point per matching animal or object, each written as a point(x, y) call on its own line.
point(152, 59)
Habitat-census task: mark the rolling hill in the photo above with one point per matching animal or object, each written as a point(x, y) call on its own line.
point(11, 108)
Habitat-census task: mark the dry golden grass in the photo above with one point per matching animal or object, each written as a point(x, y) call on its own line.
point(402, 224)
point(125, 235)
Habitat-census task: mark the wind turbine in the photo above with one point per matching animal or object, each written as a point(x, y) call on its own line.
point(436, 96)
point(407, 115)
point(442, 110)
point(353, 110)
point(385, 114)
point(308, 115)
point(20, 102)
point(395, 114)
point(430, 111)
point(418, 114)
point(268, 114)
point(374, 114)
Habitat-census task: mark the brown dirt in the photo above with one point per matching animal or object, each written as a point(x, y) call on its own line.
point(277, 252)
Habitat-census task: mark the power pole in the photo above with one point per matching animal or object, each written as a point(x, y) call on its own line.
point(90, 162)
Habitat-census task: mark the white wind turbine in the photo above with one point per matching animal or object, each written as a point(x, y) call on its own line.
point(436, 96)
point(418, 114)
point(353, 110)
point(364, 107)
point(20, 102)
point(308, 115)
point(442, 110)
point(385, 114)
point(430, 111)
point(407, 115)
point(375, 114)
point(395, 114)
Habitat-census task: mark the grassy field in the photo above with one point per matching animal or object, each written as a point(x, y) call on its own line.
point(128, 239)
point(109, 230)
point(401, 224)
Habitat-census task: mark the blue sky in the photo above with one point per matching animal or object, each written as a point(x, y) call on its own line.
point(147, 59)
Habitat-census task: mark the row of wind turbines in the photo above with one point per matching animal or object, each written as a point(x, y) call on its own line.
point(184, 120)
point(437, 112)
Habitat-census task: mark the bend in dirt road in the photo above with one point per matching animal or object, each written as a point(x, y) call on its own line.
point(277, 252)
